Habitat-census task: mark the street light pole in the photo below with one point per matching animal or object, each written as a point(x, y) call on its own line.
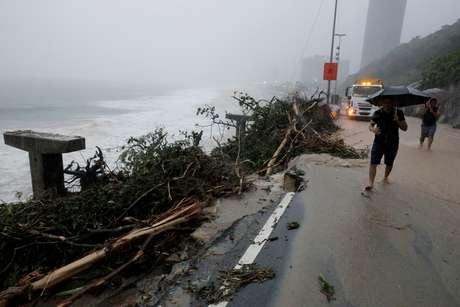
point(337, 57)
point(332, 52)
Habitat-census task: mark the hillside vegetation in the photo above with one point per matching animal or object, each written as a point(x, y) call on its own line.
point(434, 57)
point(443, 71)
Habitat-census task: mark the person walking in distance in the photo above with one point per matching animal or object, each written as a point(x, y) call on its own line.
point(429, 119)
point(385, 124)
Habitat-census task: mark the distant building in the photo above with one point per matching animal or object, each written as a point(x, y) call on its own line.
point(383, 28)
point(344, 70)
point(312, 71)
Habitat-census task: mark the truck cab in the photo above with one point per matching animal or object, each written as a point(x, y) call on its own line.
point(357, 106)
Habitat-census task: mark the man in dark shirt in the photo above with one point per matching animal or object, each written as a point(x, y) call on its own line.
point(429, 122)
point(385, 124)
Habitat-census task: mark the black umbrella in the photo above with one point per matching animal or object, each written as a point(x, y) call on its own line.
point(403, 96)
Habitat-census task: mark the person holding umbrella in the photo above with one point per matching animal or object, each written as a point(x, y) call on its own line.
point(429, 119)
point(385, 124)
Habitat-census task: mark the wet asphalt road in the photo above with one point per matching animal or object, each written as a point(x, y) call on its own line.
point(399, 246)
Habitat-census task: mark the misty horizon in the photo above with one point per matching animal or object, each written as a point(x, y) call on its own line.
point(186, 43)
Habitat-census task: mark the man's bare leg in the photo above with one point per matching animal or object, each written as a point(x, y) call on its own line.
point(388, 169)
point(372, 173)
point(422, 140)
point(430, 142)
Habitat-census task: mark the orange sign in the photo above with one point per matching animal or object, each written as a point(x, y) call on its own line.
point(330, 71)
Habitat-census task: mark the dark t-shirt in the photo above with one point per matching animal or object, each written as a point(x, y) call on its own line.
point(389, 128)
point(428, 118)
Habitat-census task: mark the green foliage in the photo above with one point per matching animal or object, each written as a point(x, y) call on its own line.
point(142, 153)
point(326, 288)
point(443, 71)
point(262, 136)
point(147, 154)
point(268, 124)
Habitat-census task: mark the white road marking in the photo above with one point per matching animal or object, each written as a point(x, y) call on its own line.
point(259, 241)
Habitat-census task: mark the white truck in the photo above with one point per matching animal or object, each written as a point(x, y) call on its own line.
point(357, 106)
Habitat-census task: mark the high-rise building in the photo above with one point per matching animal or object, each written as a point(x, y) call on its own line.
point(344, 70)
point(383, 28)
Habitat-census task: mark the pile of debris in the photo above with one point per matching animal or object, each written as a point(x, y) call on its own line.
point(161, 186)
point(231, 281)
point(280, 129)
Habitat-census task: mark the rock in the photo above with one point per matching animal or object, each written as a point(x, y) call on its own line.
point(292, 225)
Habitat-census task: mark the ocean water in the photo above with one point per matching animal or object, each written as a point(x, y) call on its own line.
point(106, 123)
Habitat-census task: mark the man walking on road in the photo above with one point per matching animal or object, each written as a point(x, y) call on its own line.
point(385, 124)
point(429, 122)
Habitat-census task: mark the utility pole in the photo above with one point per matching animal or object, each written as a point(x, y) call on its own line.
point(337, 57)
point(332, 53)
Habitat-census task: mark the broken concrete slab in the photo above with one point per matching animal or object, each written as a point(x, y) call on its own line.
point(229, 210)
point(303, 161)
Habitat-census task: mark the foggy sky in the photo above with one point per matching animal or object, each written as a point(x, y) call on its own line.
point(187, 41)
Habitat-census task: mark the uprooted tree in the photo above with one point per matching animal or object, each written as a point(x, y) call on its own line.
point(278, 130)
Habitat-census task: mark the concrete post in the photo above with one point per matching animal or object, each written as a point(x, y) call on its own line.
point(240, 122)
point(45, 157)
point(47, 172)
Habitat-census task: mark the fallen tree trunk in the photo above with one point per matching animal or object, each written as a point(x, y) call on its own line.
point(170, 220)
point(278, 151)
point(99, 282)
point(292, 127)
